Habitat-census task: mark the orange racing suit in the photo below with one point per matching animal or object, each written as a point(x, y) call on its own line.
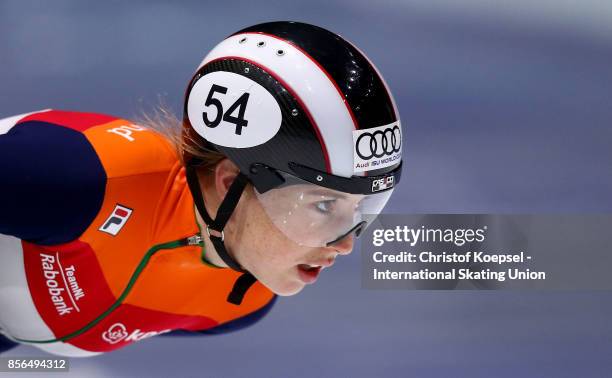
point(99, 243)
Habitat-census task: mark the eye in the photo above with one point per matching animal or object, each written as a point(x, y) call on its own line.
point(325, 207)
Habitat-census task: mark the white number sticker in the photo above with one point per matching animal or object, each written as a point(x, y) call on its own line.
point(231, 110)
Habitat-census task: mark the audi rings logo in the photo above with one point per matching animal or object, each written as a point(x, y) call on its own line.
point(379, 143)
point(377, 147)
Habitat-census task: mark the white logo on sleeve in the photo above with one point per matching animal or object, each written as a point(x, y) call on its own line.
point(233, 111)
point(118, 332)
point(115, 333)
point(115, 222)
point(126, 131)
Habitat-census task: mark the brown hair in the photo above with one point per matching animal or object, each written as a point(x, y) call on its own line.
point(162, 120)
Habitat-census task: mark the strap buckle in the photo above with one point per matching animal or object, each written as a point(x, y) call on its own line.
point(219, 232)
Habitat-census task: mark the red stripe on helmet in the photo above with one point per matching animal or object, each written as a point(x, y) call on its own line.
point(348, 108)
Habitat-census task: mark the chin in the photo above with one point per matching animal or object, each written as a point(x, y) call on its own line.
point(285, 289)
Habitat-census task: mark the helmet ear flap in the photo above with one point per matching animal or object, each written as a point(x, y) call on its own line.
point(264, 178)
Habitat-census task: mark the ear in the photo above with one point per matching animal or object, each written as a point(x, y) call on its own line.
point(225, 173)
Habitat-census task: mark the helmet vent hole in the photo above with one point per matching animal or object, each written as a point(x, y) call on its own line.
point(280, 52)
point(294, 112)
point(242, 40)
point(261, 44)
point(319, 178)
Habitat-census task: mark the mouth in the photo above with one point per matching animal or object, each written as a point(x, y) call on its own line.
point(309, 273)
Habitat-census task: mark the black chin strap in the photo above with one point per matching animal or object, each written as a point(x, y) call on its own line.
point(246, 280)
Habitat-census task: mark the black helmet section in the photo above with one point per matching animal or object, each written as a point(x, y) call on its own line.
point(354, 76)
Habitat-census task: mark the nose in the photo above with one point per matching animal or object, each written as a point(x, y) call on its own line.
point(343, 246)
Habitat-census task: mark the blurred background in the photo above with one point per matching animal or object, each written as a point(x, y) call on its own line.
point(506, 108)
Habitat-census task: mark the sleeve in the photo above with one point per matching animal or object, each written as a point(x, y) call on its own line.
point(233, 326)
point(51, 180)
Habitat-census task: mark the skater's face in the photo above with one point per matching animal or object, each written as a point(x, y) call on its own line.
point(278, 262)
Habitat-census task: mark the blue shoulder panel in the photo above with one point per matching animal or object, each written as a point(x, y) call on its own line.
point(51, 183)
point(6, 344)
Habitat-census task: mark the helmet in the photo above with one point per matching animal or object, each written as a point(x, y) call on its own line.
point(308, 120)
